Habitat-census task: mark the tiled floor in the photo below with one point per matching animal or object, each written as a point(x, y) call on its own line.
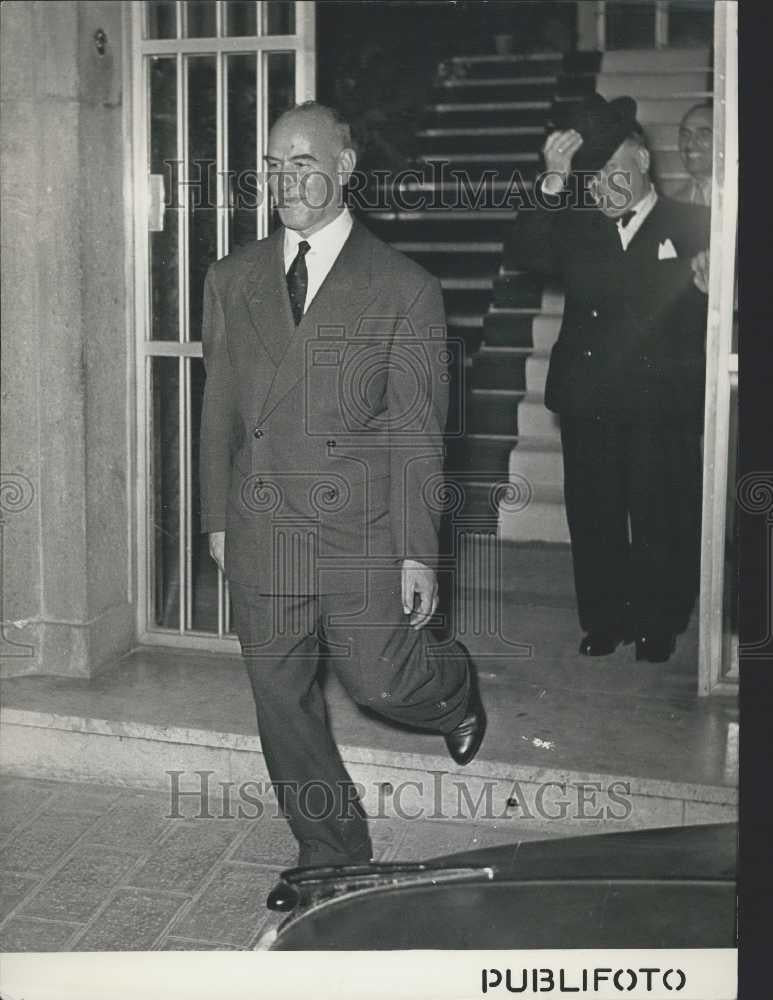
point(91, 868)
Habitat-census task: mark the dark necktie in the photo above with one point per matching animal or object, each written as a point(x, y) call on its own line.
point(625, 218)
point(298, 282)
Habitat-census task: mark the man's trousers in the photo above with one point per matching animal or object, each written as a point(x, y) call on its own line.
point(648, 476)
point(404, 675)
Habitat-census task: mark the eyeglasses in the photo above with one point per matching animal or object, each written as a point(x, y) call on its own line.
point(703, 136)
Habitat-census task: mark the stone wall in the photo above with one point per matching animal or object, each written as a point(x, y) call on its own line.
point(67, 605)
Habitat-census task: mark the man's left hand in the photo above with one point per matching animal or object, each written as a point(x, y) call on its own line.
point(418, 579)
point(700, 270)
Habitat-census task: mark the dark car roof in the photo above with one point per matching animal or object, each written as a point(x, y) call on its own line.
point(670, 888)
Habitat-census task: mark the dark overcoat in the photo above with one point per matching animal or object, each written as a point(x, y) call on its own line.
point(632, 339)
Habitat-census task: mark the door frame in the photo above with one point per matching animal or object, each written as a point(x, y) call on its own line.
point(721, 362)
point(137, 194)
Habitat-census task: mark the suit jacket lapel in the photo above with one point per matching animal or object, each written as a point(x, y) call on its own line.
point(268, 302)
point(341, 298)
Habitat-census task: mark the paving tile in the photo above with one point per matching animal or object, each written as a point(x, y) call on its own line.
point(231, 908)
point(135, 822)
point(19, 800)
point(182, 860)
point(81, 885)
point(35, 848)
point(269, 842)
point(82, 797)
point(17, 782)
point(187, 944)
point(13, 888)
point(22, 934)
point(428, 839)
point(133, 920)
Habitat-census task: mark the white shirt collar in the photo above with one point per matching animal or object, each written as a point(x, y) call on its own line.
point(326, 242)
point(325, 246)
point(641, 210)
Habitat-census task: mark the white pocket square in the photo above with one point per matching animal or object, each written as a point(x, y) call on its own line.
point(666, 250)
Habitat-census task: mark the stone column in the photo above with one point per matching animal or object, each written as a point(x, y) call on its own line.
point(66, 566)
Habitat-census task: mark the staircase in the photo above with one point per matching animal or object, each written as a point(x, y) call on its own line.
point(479, 152)
point(485, 122)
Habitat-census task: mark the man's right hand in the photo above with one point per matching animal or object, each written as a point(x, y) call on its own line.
point(217, 548)
point(558, 151)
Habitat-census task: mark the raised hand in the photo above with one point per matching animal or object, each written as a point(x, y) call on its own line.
point(558, 151)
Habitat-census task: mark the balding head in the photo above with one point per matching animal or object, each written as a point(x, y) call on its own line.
point(309, 160)
point(322, 117)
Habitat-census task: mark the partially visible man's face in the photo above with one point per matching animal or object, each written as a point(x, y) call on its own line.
point(696, 142)
point(307, 169)
point(623, 180)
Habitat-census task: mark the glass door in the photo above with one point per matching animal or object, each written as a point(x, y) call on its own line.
point(209, 78)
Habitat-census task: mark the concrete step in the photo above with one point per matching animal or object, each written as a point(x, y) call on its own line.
point(538, 461)
point(466, 332)
point(500, 368)
point(537, 371)
point(535, 420)
point(493, 411)
point(666, 110)
point(482, 155)
point(552, 301)
point(486, 456)
point(511, 139)
point(461, 226)
point(467, 299)
point(122, 752)
point(651, 85)
point(509, 327)
point(458, 114)
point(496, 89)
point(464, 261)
point(653, 60)
point(544, 331)
point(517, 289)
point(543, 519)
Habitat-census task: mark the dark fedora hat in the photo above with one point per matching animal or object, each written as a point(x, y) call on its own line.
point(602, 124)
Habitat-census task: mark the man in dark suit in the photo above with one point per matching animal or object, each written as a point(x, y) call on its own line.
point(321, 455)
point(626, 375)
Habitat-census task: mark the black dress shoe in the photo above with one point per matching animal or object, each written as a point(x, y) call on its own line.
point(464, 741)
point(655, 647)
point(602, 643)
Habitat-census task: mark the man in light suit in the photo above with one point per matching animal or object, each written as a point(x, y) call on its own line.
point(626, 375)
point(321, 455)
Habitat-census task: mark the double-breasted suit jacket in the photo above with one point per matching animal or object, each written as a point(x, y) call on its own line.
point(631, 344)
point(321, 445)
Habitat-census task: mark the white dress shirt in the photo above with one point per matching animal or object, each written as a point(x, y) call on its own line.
point(641, 210)
point(326, 245)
